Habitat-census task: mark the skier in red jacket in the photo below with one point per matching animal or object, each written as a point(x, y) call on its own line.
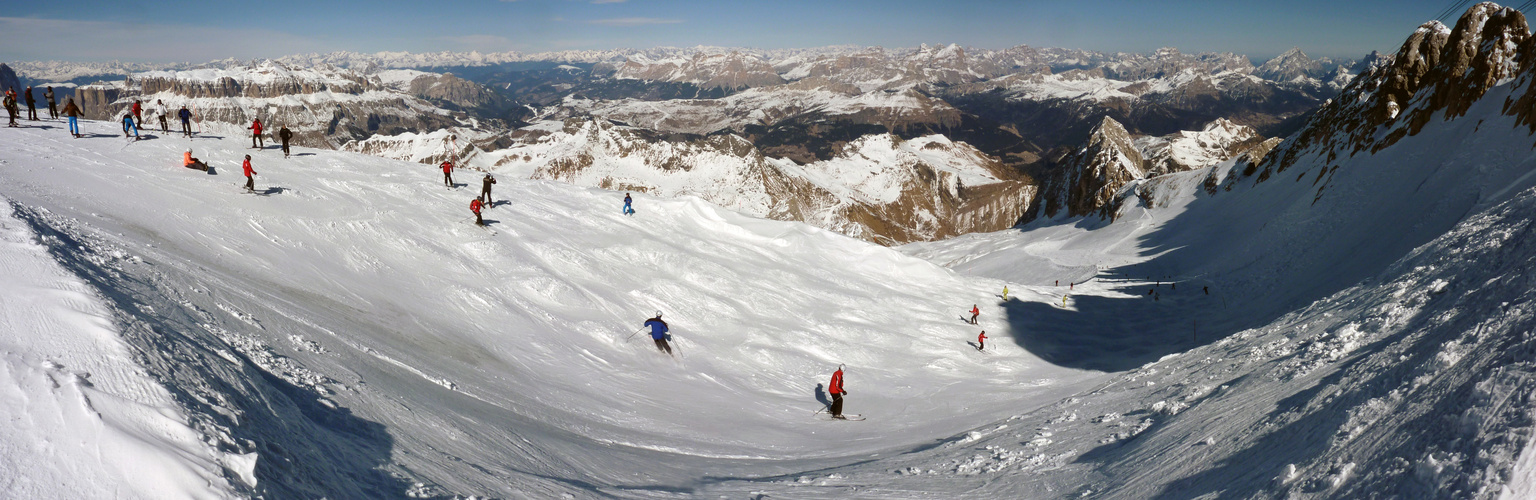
point(974, 313)
point(474, 206)
point(448, 173)
point(981, 341)
point(250, 175)
point(835, 388)
point(256, 135)
point(138, 116)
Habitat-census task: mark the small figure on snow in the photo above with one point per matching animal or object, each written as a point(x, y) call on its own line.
point(447, 173)
point(250, 175)
point(31, 104)
point(160, 112)
point(128, 125)
point(138, 115)
point(474, 206)
point(53, 106)
point(186, 121)
point(193, 163)
point(11, 109)
point(975, 312)
point(835, 388)
point(627, 209)
point(981, 341)
point(659, 333)
point(485, 189)
point(1005, 293)
point(256, 141)
point(1207, 289)
point(285, 134)
point(72, 113)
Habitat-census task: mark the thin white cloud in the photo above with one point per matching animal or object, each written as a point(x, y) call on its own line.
point(634, 21)
point(608, 1)
point(68, 40)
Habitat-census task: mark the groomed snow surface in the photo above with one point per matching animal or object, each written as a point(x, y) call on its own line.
point(351, 334)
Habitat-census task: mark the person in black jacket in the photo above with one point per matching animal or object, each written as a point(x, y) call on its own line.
point(284, 134)
point(31, 104)
point(485, 189)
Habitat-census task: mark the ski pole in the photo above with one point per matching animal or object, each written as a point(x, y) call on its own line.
point(632, 335)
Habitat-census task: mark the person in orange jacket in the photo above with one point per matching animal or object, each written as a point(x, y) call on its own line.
point(975, 312)
point(981, 341)
point(250, 175)
point(835, 388)
point(193, 163)
point(474, 206)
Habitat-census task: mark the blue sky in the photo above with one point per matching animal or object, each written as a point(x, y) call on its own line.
point(178, 30)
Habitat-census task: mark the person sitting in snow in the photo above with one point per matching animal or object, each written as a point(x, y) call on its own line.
point(193, 163)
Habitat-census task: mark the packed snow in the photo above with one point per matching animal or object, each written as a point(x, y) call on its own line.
point(349, 332)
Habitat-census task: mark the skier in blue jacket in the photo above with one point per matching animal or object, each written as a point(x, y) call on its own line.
point(627, 201)
point(659, 333)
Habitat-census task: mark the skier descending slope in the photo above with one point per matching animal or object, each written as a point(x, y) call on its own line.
point(835, 388)
point(447, 173)
point(474, 206)
point(974, 313)
point(627, 209)
point(659, 333)
point(981, 341)
point(250, 175)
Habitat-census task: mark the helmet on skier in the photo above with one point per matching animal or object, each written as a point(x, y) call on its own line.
point(658, 314)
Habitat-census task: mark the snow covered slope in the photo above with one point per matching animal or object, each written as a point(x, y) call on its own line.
point(357, 334)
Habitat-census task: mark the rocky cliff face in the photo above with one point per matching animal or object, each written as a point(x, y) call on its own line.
point(1188, 150)
point(1436, 75)
point(323, 106)
point(1091, 177)
point(878, 187)
point(8, 80)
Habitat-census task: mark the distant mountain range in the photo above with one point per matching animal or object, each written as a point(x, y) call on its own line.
point(1020, 115)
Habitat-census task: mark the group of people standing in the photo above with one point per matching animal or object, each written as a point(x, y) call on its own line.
point(13, 102)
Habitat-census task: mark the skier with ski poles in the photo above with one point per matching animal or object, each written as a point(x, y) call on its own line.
point(285, 134)
point(835, 388)
point(72, 113)
point(256, 140)
point(627, 201)
point(447, 173)
point(474, 206)
point(186, 121)
point(975, 312)
point(250, 175)
point(659, 333)
point(485, 189)
point(53, 108)
point(981, 341)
